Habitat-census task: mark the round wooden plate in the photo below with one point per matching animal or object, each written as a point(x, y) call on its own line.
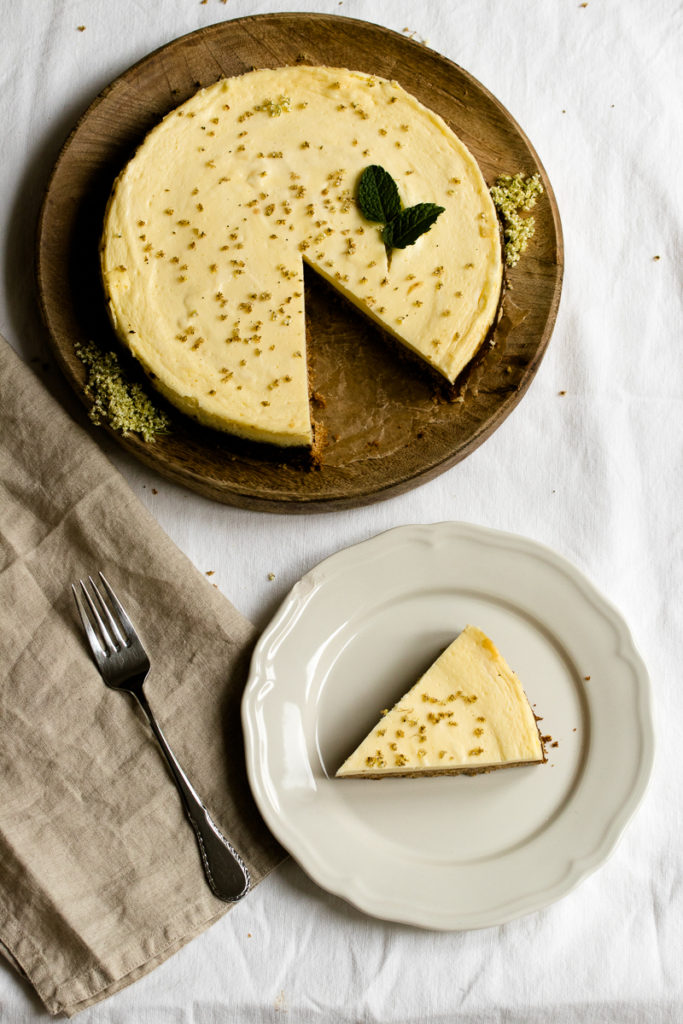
point(386, 433)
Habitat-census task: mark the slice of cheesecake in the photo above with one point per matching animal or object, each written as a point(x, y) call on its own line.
point(210, 223)
point(468, 713)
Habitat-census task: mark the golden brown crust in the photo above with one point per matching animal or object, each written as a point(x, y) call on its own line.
point(542, 739)
point(430, 772)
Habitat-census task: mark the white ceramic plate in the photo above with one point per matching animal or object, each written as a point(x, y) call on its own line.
point(450, 852)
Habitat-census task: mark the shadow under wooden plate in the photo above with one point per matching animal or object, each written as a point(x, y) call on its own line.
point(386, 432)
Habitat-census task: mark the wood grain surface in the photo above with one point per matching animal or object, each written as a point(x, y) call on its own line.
point(386, 429)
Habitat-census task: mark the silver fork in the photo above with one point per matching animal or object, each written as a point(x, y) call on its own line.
point(123, 664)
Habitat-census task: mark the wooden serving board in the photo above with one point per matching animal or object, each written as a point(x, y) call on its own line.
point(386, 433)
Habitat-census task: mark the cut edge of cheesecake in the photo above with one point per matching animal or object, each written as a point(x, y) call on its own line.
point(420, 735)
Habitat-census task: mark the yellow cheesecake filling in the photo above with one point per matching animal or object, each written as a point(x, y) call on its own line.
point(208, 227)
point(467, 713)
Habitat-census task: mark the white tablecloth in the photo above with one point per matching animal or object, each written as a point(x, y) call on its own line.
point(594, 472)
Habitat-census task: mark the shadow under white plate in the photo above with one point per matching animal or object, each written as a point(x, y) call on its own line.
point(446, 852)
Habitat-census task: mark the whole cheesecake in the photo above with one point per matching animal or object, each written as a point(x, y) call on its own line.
point(210, 223)
point(467, 714)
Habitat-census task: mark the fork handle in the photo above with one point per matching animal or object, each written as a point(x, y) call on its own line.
point(225, 870)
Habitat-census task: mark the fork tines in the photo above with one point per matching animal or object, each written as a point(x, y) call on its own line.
point(115, 634)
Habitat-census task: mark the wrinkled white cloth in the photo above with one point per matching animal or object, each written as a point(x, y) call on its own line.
point(589, 463)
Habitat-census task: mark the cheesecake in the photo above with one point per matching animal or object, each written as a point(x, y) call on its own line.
point(467, 714)
point(209, 225)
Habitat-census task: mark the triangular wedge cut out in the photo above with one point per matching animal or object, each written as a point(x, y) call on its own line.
point(209, 224)
point(467, 714)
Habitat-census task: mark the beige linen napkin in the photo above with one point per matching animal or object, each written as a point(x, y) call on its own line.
point(100, 877)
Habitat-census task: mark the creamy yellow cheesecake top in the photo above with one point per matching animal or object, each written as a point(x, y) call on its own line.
point(468, 712)
point(209, 224)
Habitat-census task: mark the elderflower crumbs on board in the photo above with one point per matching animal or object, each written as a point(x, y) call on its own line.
point(513, 195)
point(117, 401)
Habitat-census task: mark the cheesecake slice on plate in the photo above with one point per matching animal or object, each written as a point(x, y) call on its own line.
point(467, 714)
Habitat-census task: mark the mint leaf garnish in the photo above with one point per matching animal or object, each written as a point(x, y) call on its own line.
point(377, 195)
point(379, 201)
point(407, 226)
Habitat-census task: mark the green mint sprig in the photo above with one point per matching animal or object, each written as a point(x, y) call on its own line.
point(378, 196)
point(378, 199)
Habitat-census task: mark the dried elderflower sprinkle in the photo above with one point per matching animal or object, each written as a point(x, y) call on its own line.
point(117, 401)
point(275, 107)
point(513, 195)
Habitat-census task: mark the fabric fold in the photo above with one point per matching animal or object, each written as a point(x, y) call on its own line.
point(100, 877)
